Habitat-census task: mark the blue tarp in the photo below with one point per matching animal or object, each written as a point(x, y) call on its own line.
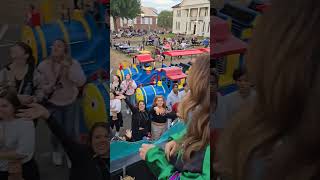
point(126, 153)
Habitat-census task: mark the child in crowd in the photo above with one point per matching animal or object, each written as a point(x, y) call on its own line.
point(230, 104)
point(115, 112)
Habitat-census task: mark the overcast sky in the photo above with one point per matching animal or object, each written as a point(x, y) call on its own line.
point(160, 4)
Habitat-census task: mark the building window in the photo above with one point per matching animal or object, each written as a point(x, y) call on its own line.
point(151, 20)
point(204, 27)
point(206, 12)
point(157, 20)
point(146, 20)
point(209, 27)
point(179, 13)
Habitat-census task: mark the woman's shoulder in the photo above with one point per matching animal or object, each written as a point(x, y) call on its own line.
point(75, 62)
point(44, 63)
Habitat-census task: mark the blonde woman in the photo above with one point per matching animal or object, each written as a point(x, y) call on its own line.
point(187, 156)
point(62, 76)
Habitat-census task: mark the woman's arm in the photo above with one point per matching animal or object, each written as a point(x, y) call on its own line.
point(38, 91)
point(132, 108)
point(10, 155)
point(171, 115)
point(159, 165)
point(134, 84)
point(76, 74)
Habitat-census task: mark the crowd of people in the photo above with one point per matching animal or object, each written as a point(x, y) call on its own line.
point(55, 84)
point(145, 123)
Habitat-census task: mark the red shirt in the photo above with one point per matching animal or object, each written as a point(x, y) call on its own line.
point(35, 19)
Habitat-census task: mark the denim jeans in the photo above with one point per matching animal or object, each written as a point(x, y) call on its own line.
point(68, 118)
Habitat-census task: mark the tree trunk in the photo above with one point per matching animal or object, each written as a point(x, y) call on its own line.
point(115, 24)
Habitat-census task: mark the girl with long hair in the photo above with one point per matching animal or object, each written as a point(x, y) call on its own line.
point(62, 78)
point(21, 75)
point(115, 112)
point(277, 136)
point(188, 155)
point(140, 124)
point(159, 117)
point(115, 86)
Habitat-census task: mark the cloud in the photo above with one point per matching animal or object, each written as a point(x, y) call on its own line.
point(160, 4)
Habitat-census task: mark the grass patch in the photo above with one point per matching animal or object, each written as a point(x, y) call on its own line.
point(170, 35)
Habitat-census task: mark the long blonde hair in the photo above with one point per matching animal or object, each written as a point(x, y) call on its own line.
point(196, 102)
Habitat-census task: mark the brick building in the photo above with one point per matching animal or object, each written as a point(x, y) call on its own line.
point(147, 20)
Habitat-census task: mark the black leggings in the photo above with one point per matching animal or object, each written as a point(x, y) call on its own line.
point(118, 123)
point(30, 171)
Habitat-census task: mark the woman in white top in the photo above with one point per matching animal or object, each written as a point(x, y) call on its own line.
point(17, 141)
point(62, 78)
point(128, 88)
point(115, 113)
point(116, 85)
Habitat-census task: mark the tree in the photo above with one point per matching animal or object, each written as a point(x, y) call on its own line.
point(125, 9)
point(165, 19)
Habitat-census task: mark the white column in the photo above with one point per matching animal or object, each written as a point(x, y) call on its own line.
point(189, 28)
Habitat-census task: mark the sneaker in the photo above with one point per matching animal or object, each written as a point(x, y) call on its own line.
point(128, 111)
point(57, 158)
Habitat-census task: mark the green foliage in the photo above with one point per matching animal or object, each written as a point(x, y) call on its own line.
point(126, 9)
point(165, 19)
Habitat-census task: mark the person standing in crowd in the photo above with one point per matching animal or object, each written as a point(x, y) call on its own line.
point(76, 4)
point(141, 122)
point(187, 155)
point(205, 42)
point(277, 136)
point(17, 141)
point(62, 77)
point(116, 85)
point(230, 104)
point(21, 75)
point(115, 113)
point(173, 97)
point(143, 41)
point(128, 88)
point(159, 117)
point(90, 161)
point(184, 92)
point(33, 17)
